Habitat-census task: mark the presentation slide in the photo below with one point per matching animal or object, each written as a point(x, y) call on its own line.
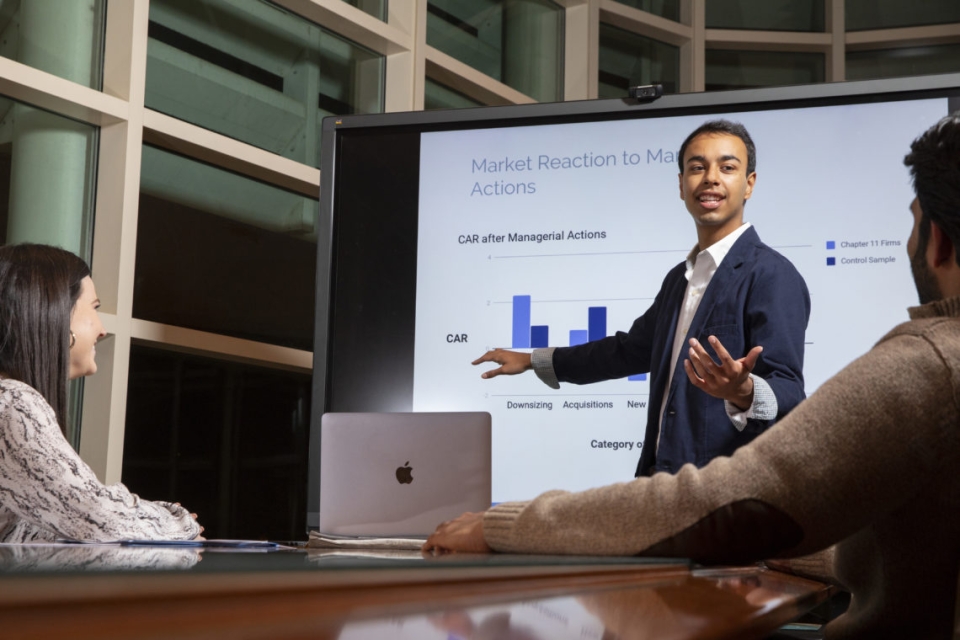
point(558, 234)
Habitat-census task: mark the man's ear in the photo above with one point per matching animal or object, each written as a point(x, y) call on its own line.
point(940, 249)
point(751, 180)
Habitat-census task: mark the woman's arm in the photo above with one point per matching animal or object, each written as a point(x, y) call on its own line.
point(45, 484)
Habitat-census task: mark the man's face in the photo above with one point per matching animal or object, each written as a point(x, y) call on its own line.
point(927, 286)
point(714, 184)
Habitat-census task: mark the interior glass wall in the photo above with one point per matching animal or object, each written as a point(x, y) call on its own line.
point(669, 9)
point(222, 253)
point(440, 96)
point(227, 440)
point(376, 8)
point(254, 72)
point(862, 15)
point(62, 37)
point(628, 59)
point(907, 61)
point(518, 42)
point(726, 69)
point(766, 15)
point(47, 178)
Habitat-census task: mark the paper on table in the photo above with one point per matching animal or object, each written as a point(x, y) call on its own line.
point(321, 541)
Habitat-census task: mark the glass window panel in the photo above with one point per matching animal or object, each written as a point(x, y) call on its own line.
point(61, 37)
point(251, 71)
point(440, 96)
point(47, 185)
point(245, 256)
point(862, 15)
point(909, 61)
point(628, 59)
point(669, 9)
point(766, 15)
point(227, 440)
point(518, 42)
point(744, 69)
point(376, 8)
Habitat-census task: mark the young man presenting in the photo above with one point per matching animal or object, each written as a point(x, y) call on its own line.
point(711, 391)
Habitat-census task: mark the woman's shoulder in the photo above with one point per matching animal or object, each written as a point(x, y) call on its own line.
point(16, 387)
point(25, 415)
point(19, 396)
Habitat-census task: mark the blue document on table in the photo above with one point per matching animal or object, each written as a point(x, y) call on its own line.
point(202, 544)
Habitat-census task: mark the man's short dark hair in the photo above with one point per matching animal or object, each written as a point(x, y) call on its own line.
point(934, 162)
point(725, 127)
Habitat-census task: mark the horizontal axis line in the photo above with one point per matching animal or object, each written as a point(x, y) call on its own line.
point(563, 395)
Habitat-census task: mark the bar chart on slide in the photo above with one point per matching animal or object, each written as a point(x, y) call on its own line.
point(527, 335)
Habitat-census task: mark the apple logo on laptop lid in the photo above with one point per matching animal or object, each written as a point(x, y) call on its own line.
point(404, 473)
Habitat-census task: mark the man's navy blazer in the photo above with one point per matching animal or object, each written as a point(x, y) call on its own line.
point(756, 297)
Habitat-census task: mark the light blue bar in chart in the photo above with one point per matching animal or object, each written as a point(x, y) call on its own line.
point(521, 322)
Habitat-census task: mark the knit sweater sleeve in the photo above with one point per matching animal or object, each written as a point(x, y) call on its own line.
point(831, 467)
point(48, 492)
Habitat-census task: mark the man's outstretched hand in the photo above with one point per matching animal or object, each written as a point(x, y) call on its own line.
point(729, 379)
point(511, 362)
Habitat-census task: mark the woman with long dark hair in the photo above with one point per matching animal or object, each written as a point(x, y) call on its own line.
point(49, 327)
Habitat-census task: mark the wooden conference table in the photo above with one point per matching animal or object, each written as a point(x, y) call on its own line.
point(147, 592)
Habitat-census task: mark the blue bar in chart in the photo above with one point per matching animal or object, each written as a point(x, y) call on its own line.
point(596, 323)
point(540, 336)
point(521, 322)
point(578, 336)
point(638, 377)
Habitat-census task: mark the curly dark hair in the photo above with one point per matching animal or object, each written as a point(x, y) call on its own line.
point(934, 163)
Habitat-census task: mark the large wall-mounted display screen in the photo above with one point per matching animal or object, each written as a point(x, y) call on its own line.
point(550, 225)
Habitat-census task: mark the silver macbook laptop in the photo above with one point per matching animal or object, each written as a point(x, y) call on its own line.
point(401, 474)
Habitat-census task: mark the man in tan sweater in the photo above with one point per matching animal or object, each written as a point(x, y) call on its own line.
point(865, 469)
